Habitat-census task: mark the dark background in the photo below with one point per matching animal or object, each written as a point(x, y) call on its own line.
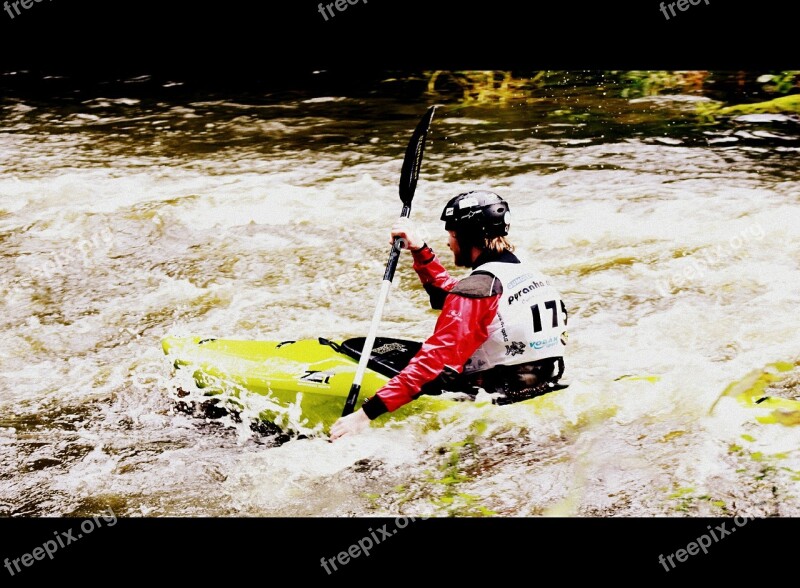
point(465, 552)
point(234, 45)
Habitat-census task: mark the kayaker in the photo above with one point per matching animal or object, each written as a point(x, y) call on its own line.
point(501, 329)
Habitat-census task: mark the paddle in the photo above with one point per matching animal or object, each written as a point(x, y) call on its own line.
point(408, 185)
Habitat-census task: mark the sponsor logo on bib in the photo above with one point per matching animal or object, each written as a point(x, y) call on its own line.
point(516, 348)
point(517, 281)
point(545, 343)
point(527, 289)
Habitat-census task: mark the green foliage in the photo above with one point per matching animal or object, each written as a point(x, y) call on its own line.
point(653, 83)
point(504, 87)
point(687, 500)
point(476, 87)
point(783, 105)
point(451, 500)
point(781, 82)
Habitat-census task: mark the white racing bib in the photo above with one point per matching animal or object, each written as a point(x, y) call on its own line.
point(531, 319)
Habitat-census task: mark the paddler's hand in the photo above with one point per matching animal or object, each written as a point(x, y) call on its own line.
point(404, 229)
point(349, 425)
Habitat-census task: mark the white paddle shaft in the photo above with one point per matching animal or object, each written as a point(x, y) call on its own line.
point(366, 351)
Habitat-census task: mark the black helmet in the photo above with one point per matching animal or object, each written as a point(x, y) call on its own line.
point(479, 213)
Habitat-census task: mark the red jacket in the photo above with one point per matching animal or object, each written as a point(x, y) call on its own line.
point(462, 327)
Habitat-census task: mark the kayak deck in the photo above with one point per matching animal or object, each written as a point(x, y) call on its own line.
point(303, 385)
point(309, 377)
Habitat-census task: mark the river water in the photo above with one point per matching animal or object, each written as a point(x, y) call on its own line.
point(144, 207)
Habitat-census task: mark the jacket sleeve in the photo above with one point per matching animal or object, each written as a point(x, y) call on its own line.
point(461, 328)
point(433, 275)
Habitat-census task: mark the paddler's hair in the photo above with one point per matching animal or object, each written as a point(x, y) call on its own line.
point(497, 244)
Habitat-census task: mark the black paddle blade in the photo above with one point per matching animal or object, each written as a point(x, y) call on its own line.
point(413, 159)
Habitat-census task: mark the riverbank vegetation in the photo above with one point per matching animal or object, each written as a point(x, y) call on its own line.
point(720, 93)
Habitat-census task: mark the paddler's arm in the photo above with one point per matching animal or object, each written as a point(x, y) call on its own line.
point(434, 276)
point(462, 327)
